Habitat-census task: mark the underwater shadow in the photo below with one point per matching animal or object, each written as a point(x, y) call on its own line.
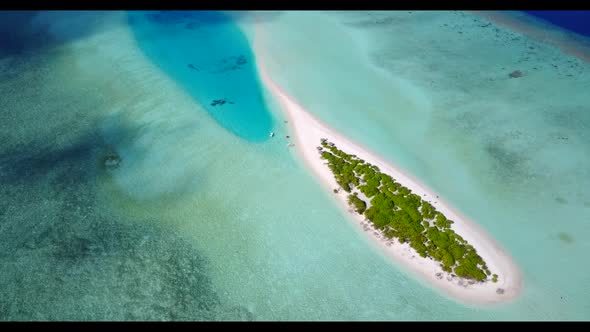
point(21, 34)
point(69, 244)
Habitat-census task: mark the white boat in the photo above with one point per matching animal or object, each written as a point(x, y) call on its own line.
point(272, 134)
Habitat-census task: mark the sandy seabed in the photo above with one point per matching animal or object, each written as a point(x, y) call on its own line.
point(308, 133)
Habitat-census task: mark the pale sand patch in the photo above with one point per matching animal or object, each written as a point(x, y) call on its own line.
point(308, 132)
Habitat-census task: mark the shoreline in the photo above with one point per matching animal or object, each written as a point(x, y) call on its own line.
point(307, 134)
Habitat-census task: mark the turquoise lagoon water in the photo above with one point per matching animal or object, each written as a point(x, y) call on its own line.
point(437, 100)
point(211, 58)
point(208, 219)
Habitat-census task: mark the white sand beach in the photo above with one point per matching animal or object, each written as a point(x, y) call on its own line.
point(307, 134)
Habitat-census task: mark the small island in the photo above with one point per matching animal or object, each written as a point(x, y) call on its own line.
point(398, 213)
point(407, 221)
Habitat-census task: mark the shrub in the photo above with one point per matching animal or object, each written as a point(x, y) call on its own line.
point(401, 214)
point(359, 205)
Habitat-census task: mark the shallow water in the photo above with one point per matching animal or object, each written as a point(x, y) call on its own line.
point(199, 223)
point(69, 252)
point(508, 153)
point(207, 55)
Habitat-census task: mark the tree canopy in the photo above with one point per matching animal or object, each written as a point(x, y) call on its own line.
point(403, 215)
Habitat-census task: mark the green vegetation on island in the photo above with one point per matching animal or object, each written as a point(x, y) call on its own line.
point(398, 213)
point(359, 205)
